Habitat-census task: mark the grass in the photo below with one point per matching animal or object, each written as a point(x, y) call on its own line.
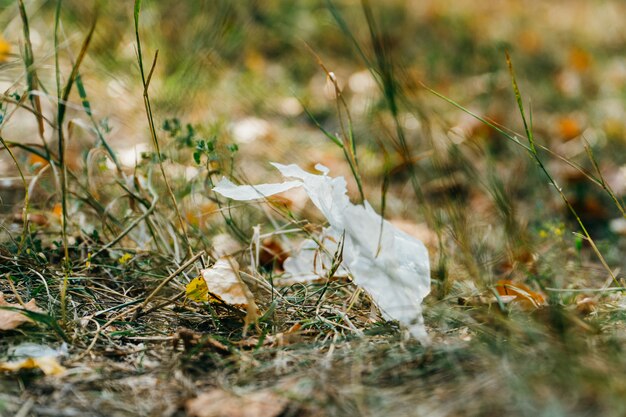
point(425, 131)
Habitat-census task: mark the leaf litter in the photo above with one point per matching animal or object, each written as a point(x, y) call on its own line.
point(35, 356)
point(11, 319)
point(222, 282)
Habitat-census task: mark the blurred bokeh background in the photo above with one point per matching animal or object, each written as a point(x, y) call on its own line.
point(248, 73)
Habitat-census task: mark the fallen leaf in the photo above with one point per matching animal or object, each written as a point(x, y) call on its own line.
point(586, 305)
point(5, 49)
point(197, 290)
point(57, 211)
point(35, 356)
point(193, 340)
point(523, 295)
point(569, 127)
point(292, 335)
point(220, 403)
point(480, 300)
point(223, 282)
point(9, 319)
point(272, 254)
point(48, 365)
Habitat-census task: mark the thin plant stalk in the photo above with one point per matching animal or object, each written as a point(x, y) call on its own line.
point(32, 80)
point(602, 182)
point(63, 97)
point(531, 148)
point(348, 144)
point(535, 155)
point(145, 79)
point(382, 71)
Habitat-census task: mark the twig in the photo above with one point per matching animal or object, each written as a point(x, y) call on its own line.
point(165, 282)
point(163, 304)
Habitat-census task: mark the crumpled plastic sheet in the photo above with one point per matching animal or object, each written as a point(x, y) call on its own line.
point(392, 266)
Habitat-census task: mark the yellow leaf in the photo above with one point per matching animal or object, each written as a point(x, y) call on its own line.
point(48, 365)
point(197, 290)
point(125, 258)
point(5, 49)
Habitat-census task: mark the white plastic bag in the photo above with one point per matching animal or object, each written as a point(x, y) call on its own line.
point(390, 265)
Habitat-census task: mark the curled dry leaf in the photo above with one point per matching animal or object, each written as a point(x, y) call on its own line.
point(223, 282)
point(193, 340)
point(292, 335)
point(481, 300)
point(220, 403)
point(10, 320)
point(586, 305)
point(526, 297)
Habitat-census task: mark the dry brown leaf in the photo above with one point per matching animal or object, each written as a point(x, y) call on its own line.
point(272, 254)
point(10, 320)
point(220, 403)
point(292, 335)
point(225, 284)
point(192, 340)
point(586, 305)
point(481, 300)
point(526, 297)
